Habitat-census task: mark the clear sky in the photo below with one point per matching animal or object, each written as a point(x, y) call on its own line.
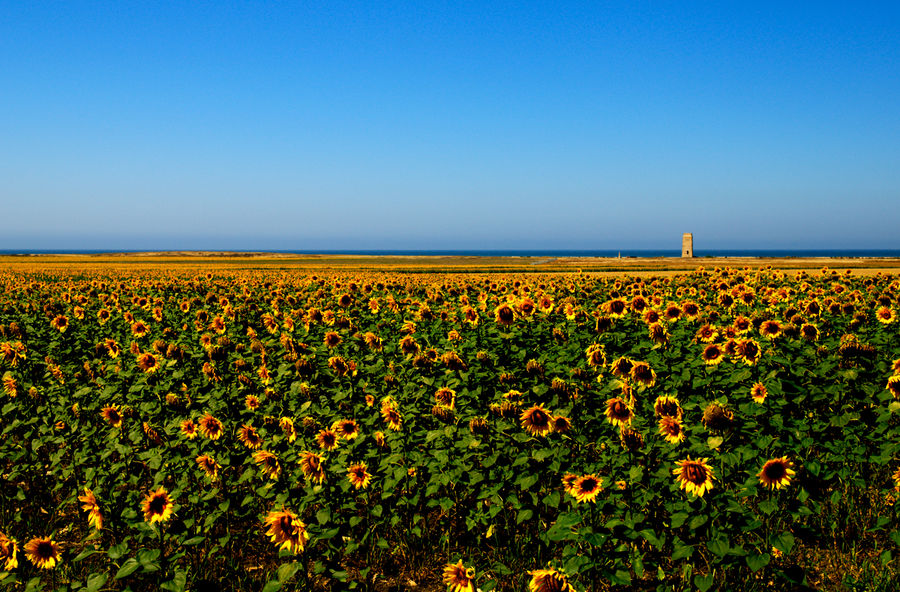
point(449, 125)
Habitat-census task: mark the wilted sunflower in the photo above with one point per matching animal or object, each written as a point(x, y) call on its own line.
point(713, 355)
point(809, 332)
point(90, 505)
point(777, 473)
point(758, 392)
point(586, 488)
point(111, 415)
point(446, 397)
point(210, 427)
point(249, 437)
point(332, 339)
point(268, 463)
point(667, 406)
point(359, 476)
point(671, 429)
point(327, 439)
point(642, 373)
point(43, 552)
point(621, 367)
point(537, 421)
point(716, 417)
point(286, 530)
point(313, 466)
point(189, 429)
point(694, 476)
point(148, 362)
point(9, 551)
point(209, 466)
point(631, 439)
point(392, 416)
point(658, 333)
point(157, 506)
point(287, 428)
point(561, 424)
point(549, 580)
point(459, 578)
point(618, 412)
point(596, 357)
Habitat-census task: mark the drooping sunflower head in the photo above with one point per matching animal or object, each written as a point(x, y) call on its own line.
point(249, 437)
point(717, 417)
point(9, 551)
point(621, 367)
point(777, 473)
point(667, 406)
point(893, 385)
point(536, 420)
point(504, 314)
point(210, 427)
point(748, 351)
point(268, 463)
point(642, 373)
point(631, 439)
point(618, 412)
point(446, 397)
point(809, 332)
point(313, 466)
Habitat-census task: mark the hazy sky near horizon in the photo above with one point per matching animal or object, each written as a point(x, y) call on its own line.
point(449, 125)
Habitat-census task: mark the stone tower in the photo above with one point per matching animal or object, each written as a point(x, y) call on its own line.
point(687, 245)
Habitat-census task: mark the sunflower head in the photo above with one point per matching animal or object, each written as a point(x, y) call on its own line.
point(157, 506)
point(458, 577)
point(286, 530)
point(717, 418)
point(549, 580)
point(694, 476)
point(777, 473)
point(537, 421)
point(43, 552)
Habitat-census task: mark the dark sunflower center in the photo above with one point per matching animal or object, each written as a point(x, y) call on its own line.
point(694, 473)
point(157, 504)
point(45, 550)
point(775, 471)
point(589, 485)
point(539, 418)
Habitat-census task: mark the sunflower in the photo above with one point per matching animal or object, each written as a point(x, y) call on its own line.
point(111, 415)
point(210, 427)
point(327, 439)
point(616, 308)
point(712, 355)
point(777, 473)
point(742, 324)
point(658, 333)
point(596, 357)
point(672, 313)
point(157, 506)
point(651, 316)
point(268, 463)
point(347, 429)
point(893, 385)
point(545, 304)
point(885, 315)
point(286, 530)
point(586, 488)
point(90, 505)
point(618, 412)
point(621, 367)
point(748, 351)
point(287, 428)
point(459, 578)
point(446, 397)
point(60, 323)
point(706, 334)
point(251, 402)
point(139, 329)
point(716, 417)
point(9, 550)
point(758, 392)
point(392, 416)
point(895, 366)
point(189, 429)
point(549, 580)
point(249, 437)
point(359, 476)
point(148, 362)
point(536, 420)
point(671, 429)
point(642, 373)
point(809, 332)
point(770, 329)
point(667, 406)
point(694, 476)
point(568, 483)
point(561, 424)
point(209, 466)
point(313, 466)
point(43, 552)
point(504, 315)
point(332, 339)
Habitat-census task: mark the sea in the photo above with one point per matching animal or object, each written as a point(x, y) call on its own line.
point(638, 253)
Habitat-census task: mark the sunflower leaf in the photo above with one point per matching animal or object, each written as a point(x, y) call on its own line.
point(129, 567)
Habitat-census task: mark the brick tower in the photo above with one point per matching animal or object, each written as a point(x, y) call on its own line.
point(687, 245)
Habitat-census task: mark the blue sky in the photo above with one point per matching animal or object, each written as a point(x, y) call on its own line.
point(449, 125)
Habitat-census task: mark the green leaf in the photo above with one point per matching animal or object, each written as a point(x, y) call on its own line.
point(704, 583)
point(757, 562)
point(193, 541)
point(95, 581)
point(129, 567)
point(682, 551)
point(679, 518)
point(177, 583)
point(719, 546)
point(287, 571)
point(784, 542)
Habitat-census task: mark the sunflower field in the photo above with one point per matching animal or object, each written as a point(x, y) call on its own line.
point(283, 430)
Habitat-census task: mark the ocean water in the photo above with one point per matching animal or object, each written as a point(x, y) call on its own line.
point(698, 254)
